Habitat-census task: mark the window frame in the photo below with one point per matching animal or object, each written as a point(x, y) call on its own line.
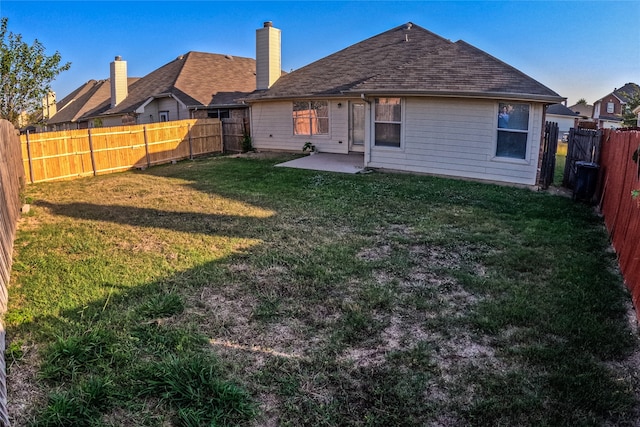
point(161, 114)
point(499, 129)
point(611, 106)
point(310, 117)
point(400, 123)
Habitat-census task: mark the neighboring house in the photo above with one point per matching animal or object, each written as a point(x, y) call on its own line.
point(564, 116)
point(409, 100)
point(194, 85)
point(582, 109)
point(608, 110)
point(636, 111)
point(73, 109)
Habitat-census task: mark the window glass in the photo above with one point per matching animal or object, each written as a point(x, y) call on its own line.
point(311, 118)
point(388, 122)
point(513, 130)
point(609, 107)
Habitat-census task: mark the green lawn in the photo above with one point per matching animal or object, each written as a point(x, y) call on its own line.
point(225, 291)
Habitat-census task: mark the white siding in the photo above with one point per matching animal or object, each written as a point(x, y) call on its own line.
point(457, 137)
point(564, 123)
point(272, 128)
point(152, 111)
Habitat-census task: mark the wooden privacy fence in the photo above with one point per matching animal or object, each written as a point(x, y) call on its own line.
point(619, 176)
point(549, 148)
point(11, 182)
point(583, 146)
point(70, 154)
point(234, 131)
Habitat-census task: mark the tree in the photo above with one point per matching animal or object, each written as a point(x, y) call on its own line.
point(629, 119)
point(26, 73)
point(582, 101)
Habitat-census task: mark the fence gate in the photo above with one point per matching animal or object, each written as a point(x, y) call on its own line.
point(233, 132)
point(549, 148)
point(584, 146)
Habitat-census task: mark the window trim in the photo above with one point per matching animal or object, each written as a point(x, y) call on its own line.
point(311, 119)
point(164, 113)
point(527, 158)
point(401, 123)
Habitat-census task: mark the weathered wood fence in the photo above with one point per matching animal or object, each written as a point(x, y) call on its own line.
point(549, 148)
point(234, 131)
point(583, 146)
point(619, 176)
point(11, 183)
point(71, 154)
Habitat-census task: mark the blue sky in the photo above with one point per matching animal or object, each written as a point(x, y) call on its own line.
point(580, 49)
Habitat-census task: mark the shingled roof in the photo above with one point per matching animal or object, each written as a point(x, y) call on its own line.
point(561, 110)
point(196, 79)
point(409, 60)
point(627, 92)
point(85, 100)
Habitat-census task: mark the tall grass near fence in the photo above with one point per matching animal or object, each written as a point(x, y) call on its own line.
point(75, 153)
point(620, 175)
point(11, 182)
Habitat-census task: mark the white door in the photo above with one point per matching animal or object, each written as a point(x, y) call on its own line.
point(356, 127)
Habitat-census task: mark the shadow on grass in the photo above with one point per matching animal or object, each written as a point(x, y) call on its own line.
point(186, 222)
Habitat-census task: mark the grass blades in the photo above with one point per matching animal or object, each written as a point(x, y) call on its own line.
point(225, 291)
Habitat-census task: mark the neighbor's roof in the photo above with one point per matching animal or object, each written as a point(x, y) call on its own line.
point(561, 110)
point(86, 99)
point(624, 94)
point(627, 92)
point(584, 110)
point(409, 60)
point(196, 79)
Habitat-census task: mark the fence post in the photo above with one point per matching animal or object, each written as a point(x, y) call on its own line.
point(146, 146)
point(29, 156)
point(93, 159)
point(190, 144)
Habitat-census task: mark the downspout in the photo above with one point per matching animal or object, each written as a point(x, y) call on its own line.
point(367, 131)
point(251, 125)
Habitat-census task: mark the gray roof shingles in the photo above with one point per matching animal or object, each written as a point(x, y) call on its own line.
point(408, 60)
point(196, 79)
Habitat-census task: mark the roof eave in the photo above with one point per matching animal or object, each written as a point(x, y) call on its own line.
point(554, 99)
point(547, 99)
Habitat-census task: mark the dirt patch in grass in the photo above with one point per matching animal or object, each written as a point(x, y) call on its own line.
point(22, 386)
point(332, 300)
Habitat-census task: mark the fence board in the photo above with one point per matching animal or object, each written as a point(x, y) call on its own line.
point(583, 146)
point(11, 181)
point(621, 212)
point(72, 154)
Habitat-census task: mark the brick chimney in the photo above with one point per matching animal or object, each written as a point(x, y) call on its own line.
point(268, 60)
point(118, 79)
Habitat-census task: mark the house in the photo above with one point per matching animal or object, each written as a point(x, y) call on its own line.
point(407, 99)
point(564, 116)
point(73, 110)
point(609, 109)
point(194, 85)
point(636, 111)
point(582, 109)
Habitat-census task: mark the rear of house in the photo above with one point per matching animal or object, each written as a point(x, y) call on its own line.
point(409, 100)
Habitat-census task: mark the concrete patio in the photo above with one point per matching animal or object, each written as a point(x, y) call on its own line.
point(343, 163)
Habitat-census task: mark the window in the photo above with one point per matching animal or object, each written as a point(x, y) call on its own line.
point(311, 118)
point(513, 130)
point(388, 122)
point(218, 114)
point(610, 107)
point(164, 116)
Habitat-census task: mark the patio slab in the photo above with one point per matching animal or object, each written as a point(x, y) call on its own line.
point(343, 163)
